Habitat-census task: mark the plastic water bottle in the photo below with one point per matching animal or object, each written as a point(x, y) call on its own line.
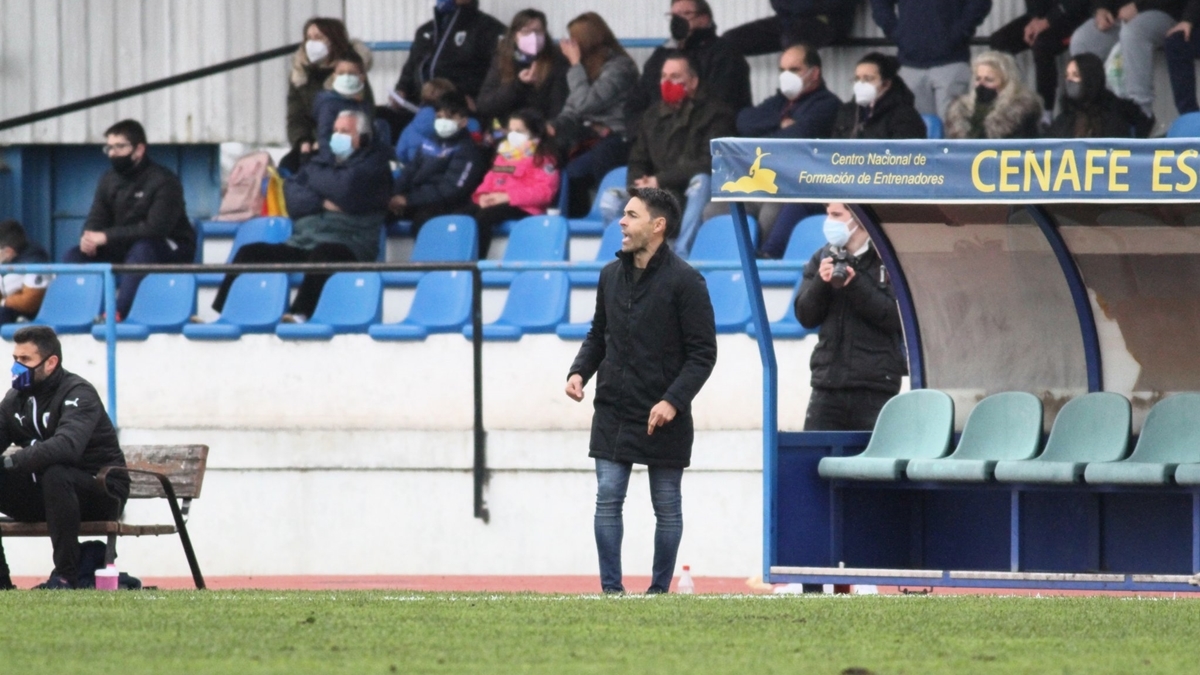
point(686, 585)
point(106, 578)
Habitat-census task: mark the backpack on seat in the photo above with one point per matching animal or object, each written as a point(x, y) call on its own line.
point(244, 195)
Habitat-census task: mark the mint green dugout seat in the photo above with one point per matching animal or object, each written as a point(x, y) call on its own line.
point(1091, 428)
point(913, 425)
point(1188, 474)
point(1170, 437)
point(1005, 426)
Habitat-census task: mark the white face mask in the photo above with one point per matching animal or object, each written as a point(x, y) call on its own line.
point(517, 140)
point(348, 84)
point(865, 93)
point(316, 51)
point(790, 84)
point(445, 128)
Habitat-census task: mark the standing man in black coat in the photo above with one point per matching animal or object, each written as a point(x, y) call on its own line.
point(457, 44)
point(859, 358)
point(65, 438)
point(652, 346)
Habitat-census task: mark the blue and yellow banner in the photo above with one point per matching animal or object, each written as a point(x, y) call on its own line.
point(1037, 171)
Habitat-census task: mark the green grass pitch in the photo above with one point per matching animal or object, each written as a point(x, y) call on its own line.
point(385, 632)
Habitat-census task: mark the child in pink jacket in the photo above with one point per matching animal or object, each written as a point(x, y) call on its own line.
point(523, 180)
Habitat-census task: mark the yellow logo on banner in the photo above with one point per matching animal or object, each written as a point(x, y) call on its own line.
point(758, 180)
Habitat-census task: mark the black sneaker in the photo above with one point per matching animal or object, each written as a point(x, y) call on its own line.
point(55, 583)
point(6, 584)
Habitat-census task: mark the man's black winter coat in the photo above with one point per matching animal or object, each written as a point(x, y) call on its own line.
point(859, 345)
point(458, 46)
point(61, 422)
point(653, 340)
point(146, 203)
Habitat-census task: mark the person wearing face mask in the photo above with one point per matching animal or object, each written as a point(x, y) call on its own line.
point(528, 71)
point(349, 91)
point(802, 107)
point(337, 202)
point(65, 439)
point(445, 172)
point(522, 181)
point(1000, 106)
point(882, 105)
point(326, 42)
point(21, 293)
point(138, 215)
point(723, 72)
point(1044, 29)
point(859, 360)
point(1090, 110)
point(671, 151)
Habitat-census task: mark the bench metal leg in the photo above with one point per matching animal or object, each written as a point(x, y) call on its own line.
point(181, 525)
point(110, 551)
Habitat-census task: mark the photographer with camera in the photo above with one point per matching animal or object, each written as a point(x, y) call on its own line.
point(859, 358)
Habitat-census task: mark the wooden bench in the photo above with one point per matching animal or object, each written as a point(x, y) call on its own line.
point(171, 472)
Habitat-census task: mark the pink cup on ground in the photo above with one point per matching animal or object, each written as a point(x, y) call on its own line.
point(106, 578)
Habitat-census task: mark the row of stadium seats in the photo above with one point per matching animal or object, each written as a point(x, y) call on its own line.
point(351, 302)
point(1001, 441)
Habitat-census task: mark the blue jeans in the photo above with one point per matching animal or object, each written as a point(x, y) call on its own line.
point(1181, 65)
point(698, 195)
point(140, 252)
point(612, 481)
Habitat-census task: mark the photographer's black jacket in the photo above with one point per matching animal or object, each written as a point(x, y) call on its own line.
point(860, 342)
point(651, 340)
point(61, 422)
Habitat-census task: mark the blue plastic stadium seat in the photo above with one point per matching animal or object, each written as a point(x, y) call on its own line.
point(807, 237)
point(399, 228)
point(1091, 428)
point(163, 304)
point(933, 126)
point(1185, 126)
point(349, 303)
point(1005, 426)
point(787, 328)
point(268, 230)
point(442, 304)
point(610, 244)
point(441, 239)
point(573, 331)
point(71, 304)
point(730, 301)
point(717, 239)
point(913, 425)
point(1170, 437)
point(254, 305)
point(593, 223)
point(536, 238)
point(537, 303)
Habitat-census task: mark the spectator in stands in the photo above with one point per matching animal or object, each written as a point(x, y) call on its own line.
point(528, 71)
point(21, 293)
point(138, 215)
point(325, 43)
point(349, 92)
point(444, 173)
point(819, 23)
point(338, 202)
point(420, 129)
point(1181, 52)
point(671, 151)
point(1000, 106)
point(1090, 110)
point(523, 179)
point(933, 39)
point(803, 107)
point(1141, 28)
point(722, 70)
point(882, 106)
point(65, 438)
point(457, 44)
point(1044, 28)
point(658, 346)
point(859, 358)
point(590, 131)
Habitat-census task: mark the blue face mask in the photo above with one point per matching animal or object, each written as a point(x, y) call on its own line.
point(22, 376)
point(341, 145)
point(837, 233)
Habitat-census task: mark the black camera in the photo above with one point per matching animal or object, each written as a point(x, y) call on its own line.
point(841, 262)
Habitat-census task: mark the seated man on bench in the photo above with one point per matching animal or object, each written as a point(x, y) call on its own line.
point(65, 438)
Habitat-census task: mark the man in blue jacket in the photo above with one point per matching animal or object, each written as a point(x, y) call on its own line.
point(802, 108)
point(338, 202)
point(933, 38)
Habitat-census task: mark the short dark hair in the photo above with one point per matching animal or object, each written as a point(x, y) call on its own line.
point(661, 204)
point(680, 55)
point(889, 66)
point(453, 103)
point(12, 235)
point(131, 129)
point(42, 337)
point(812, 57)
point(702, 7)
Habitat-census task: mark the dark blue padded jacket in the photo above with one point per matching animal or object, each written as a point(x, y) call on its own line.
point(813, 113)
